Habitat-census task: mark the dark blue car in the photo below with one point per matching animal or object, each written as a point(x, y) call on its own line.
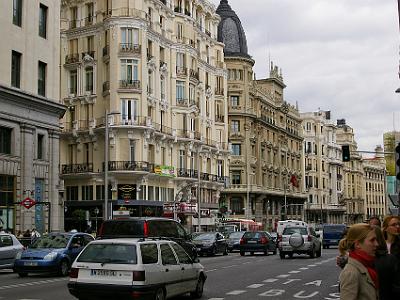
point(332, 234)
point(53, 253)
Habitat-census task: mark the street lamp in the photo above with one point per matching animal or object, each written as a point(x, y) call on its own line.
point(96, 212)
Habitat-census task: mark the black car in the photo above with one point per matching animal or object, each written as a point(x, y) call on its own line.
point(257, 241)
point(211, 243)
point(148, 227)
point(234, 240)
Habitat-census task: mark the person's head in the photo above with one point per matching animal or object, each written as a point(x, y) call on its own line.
point(360, 237)
point(391, 227)
point(374, 220)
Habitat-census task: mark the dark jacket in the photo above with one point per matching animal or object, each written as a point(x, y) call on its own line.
point(388, 268)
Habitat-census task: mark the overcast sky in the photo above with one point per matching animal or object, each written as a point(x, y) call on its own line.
point(337, 55)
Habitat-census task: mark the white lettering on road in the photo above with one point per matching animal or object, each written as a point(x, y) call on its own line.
point(299, 295)
point(335, 295)
point(290, 280)
point(315, 282)
point(270, 280)
point(237, 292)
point(255, 286)
point(272, 293)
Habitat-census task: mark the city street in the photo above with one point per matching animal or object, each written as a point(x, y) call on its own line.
point(229, 277)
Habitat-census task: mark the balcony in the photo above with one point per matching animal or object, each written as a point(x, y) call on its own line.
point(129, 84)
point(130, 48)
point(182, 102)
point(187, 134)
point(118, 120)
point(163, 129)
point(76, 168)
point(187, 173)
point(72, 24)
point(88, 21)
point(181, 71)
point(135, 166)
point(193, 74)
point(72, 58)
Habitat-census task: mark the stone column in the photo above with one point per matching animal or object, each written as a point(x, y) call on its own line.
point(57, 211)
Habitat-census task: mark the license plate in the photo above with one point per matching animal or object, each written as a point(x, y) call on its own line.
point(287, 248)
point(105, 273)
point(30, 263)
point(252, 242)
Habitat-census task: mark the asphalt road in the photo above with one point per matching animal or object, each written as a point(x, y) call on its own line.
point(229, 277)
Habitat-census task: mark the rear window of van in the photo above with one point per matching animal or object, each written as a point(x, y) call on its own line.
point(109, 253)
point(333, 228)
point(123, 228)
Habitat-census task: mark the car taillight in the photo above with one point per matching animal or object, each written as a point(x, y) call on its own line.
point(138, 276)
point(73, 273)
point(145, 229)
point(279, 238)
point(242, 241)
point(264, 240)
point(309, 238)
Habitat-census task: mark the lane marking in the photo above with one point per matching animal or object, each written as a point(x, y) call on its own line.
point(294, 272)
point(283, 276)
point(270, 280)
point(212, 270)
point(32, 283)
point(216, 299)
point(311, 265)
point(255, 286)
point(303, 268)
point(237, 292)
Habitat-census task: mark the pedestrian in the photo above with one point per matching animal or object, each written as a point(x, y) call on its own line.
point(391, 230)
point(374, 220)
point(359, 278)
point(27, 233)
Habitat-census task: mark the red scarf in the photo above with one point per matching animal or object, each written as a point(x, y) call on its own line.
point(368, 262)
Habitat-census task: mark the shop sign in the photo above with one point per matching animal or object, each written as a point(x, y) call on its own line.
point(167, 171)
point(127, 192)
point(28, 202)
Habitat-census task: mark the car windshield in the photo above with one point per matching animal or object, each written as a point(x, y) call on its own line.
point(252, 235)
point(236, 235)
point(291, 230)
point(205, 236)
point(334, 229)
point(51, 241)
point(109, 253)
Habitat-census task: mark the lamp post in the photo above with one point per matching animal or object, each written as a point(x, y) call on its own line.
point(198, 191)
point(96, 212)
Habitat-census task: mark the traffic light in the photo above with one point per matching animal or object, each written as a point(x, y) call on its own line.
point(346, 152)
point(398, 161)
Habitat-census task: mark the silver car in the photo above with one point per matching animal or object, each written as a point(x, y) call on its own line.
point(9, 248)
point(300, 240)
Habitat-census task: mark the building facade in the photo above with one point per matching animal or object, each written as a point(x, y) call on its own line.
point(323, 169)
point(29, 115)
point(265, 167)
point(151, 74)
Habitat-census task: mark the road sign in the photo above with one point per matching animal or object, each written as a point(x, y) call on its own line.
point(28, 202)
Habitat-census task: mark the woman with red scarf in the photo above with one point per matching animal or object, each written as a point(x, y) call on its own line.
point(359, 279)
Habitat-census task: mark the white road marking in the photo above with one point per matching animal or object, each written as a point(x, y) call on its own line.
point(212, 270)
point(294, 272)
point(283, 276)
point(311, 265)
point(303, 268)
point(247, 262)
point(255, 286)
point(237, 292)
point(216, 299)
point(270, 280)
point(335, 285)
point(31, 283)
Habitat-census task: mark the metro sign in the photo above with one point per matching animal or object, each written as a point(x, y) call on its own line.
point(28, 202)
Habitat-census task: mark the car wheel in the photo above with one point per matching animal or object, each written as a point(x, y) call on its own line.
point(198, 293)
point(22, 274)
point(274, 252)
point(319, 252)
point(266, 252)
point(213, 251)
point(282, 255)
point(290, 255)
point(241, 253)
point(160, 294)
point(312, 253)
point(251, 253)
point(64, 267)
point(226, 251)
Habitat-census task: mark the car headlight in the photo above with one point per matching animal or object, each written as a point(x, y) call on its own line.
point(50, 256)
point(19, 255)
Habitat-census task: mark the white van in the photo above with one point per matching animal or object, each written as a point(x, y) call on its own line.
point(283, 224)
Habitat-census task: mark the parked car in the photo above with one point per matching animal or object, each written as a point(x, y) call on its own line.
point(148, 227)
point(211, 243)
point(332, 234)
point(257, 241)
point(300, 240)
point(234, 240)
point(135, 269)
point(53, 253)
point(9, 249)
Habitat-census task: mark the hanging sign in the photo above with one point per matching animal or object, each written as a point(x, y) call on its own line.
point(28, 202)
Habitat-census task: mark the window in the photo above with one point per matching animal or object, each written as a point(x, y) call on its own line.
point(220, 168)
point(182, 159)
point(72, 193)
point(90, 14)
point(5, 140)
point(129, 111)
point(236, 149)
point(167, 256)
point(236, 177)
point(237, 205)
point(234, 101)
point(180, 90)
point(87, 192)
point(73, 81)
point(149, 253)
point(43, 21)
point(40, 146)
point(89, 79)
point(179, 31)
point(132, 150)
point(15, 69)
point(5, 241)
point(182, 255)
point(129, 70)
point(235, 126)
point(6, 190)
point(129, 38)
point(42, 78)
point(17, 12)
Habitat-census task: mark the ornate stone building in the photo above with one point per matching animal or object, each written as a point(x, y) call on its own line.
point(29, 114)
point(152, 74)
point(323, 169)
point(266, 160)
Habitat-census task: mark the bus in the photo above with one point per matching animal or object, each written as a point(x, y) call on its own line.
point(231, 225)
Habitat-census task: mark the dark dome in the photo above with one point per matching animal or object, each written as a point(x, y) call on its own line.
point(230, 31)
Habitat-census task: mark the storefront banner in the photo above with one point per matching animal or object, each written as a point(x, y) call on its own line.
point(167, 171)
